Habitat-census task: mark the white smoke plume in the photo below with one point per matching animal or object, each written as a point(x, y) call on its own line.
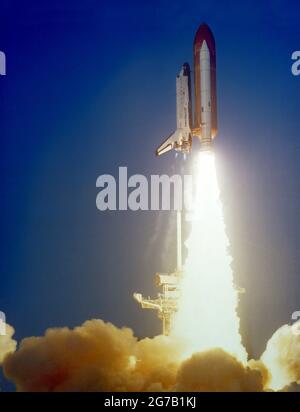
point(7, 343)
point(282, 358)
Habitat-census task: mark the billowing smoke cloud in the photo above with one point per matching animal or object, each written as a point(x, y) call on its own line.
point(7, 343)
point(97, 356)
point(217, 371)
point(282, 358)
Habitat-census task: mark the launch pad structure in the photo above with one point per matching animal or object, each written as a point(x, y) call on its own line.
point(166, 302)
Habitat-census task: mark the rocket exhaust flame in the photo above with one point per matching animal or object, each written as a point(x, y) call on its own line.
point(207, 309)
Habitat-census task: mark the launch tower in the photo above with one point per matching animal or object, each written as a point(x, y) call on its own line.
point(166, 302)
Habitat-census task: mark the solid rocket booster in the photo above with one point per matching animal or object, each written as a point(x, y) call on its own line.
point(205, 114)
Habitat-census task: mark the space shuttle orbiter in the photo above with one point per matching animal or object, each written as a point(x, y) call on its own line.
point(181, 139)
point(204, 124)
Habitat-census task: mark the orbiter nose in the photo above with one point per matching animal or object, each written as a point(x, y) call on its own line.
point(186, 69)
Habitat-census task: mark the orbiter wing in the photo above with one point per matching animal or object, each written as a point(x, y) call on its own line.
point(168, 144)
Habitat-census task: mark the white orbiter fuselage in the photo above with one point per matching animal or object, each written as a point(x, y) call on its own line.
point(181, 139)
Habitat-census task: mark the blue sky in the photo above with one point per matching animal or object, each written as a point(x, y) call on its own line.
point(90, 86)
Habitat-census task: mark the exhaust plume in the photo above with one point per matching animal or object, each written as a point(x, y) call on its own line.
point(207, 310)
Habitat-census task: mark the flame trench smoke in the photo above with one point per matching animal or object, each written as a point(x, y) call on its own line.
point(207, 316)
